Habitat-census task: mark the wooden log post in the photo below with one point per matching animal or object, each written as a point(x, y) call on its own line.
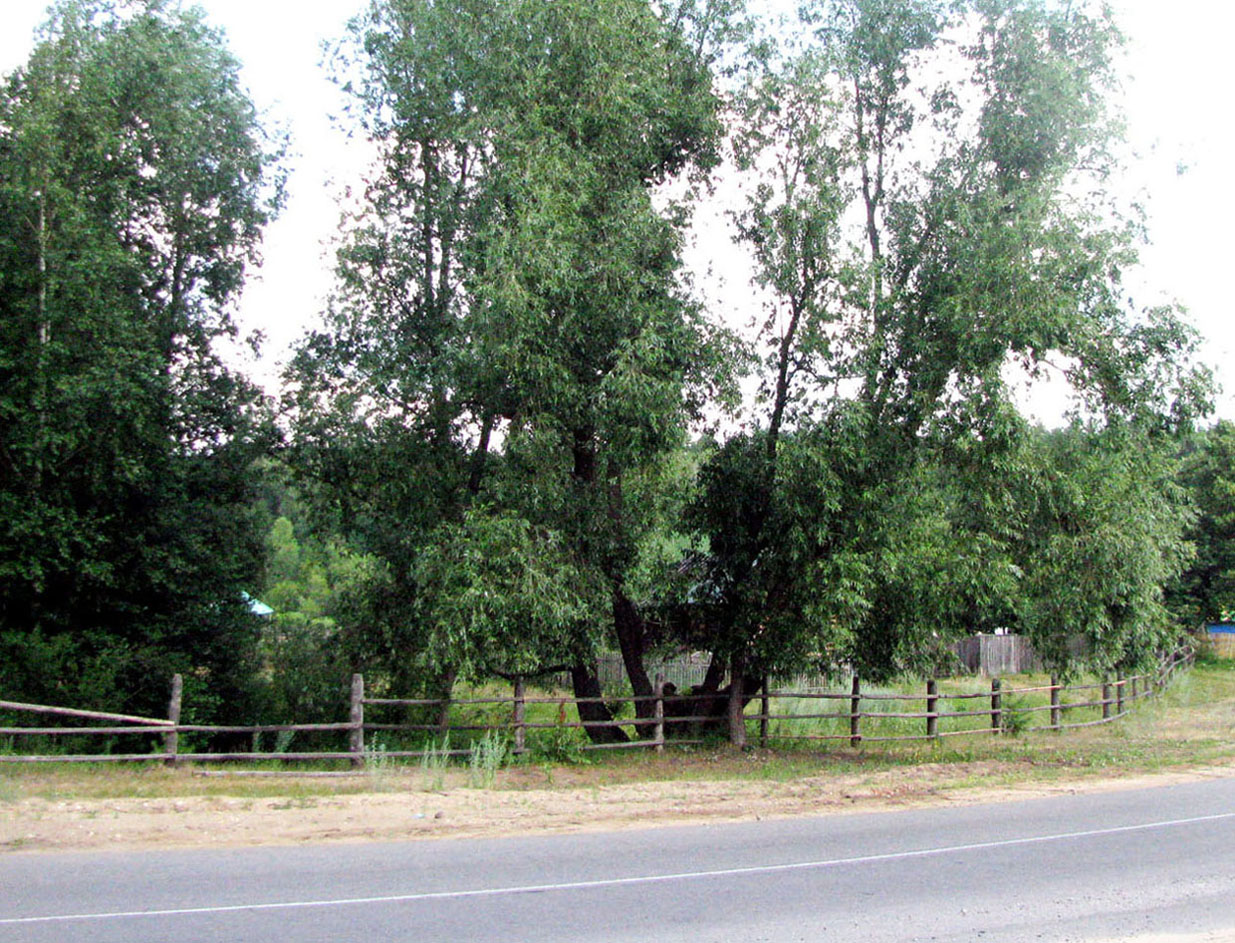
point(1135, 694)
point(1119, 694)
point(764, 710)
point(1056, 713)
point(658, 731)
point(447, 699)
point(996, 706)
point(1106, 698)
point(355, 743)
point(932, 709)
point(855, 712)
point(519, 719)
point(171, 739)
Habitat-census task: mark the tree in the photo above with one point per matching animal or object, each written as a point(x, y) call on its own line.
point(1205, 591)
point(509, 331)
point(135, 180)
point(929, 214)
point(1103, 536)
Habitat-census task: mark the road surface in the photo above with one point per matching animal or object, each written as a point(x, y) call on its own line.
point(1089, 867)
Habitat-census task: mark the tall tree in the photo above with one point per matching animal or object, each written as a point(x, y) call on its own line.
point(509, 332)
point(930, 215)
point(135, 180)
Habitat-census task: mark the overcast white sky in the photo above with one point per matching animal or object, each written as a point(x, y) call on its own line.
point(1177, 102)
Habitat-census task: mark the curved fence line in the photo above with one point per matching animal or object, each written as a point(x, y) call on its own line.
point(669, 720)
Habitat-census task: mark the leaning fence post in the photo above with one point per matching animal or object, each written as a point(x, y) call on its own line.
point(171, 739)
point(356, 719)
point(520, 714)
point(932, 714)
point(1106, 698)
point(658, 713)
point(1055, 711)
point(855, 713)
point(764, 710)
point(996, 705)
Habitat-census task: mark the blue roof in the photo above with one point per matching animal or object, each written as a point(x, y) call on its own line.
point(259, 608)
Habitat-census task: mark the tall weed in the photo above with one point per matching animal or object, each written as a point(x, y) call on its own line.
point(433, 763)
point(486, 758)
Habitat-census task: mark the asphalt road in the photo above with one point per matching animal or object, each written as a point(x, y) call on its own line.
point(1085, 867)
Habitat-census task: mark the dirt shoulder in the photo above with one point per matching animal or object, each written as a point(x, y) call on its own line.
point(401, 807)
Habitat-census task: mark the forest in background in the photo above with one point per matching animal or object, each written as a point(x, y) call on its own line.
point(519, 437)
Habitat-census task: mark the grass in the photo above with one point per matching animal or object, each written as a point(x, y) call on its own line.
point(1191, 725)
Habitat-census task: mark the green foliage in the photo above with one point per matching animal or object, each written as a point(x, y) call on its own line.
point(1104, 535)
point(1013, 718)
point(134, 184)
point(1205, 591)
point(559, 745)
point(498, 597)
point(927, 215)
point(510, 342)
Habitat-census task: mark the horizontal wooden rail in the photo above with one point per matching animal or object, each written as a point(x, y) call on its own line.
point(259, 728)
point(85, 715)
point(83, 758)
point(144, 731)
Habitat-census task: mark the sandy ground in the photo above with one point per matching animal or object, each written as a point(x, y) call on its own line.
point(394, 806)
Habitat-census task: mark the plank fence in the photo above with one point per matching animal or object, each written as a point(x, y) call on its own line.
point(862, 716)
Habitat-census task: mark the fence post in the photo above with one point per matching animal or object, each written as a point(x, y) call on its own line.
point(932, 714)
point(1106, 698)
point(658, 731)
point(1055, 711)
point(171, 739)
point(1119, 694)
point(520, 715)
point(1134, 680)
point(996, 705)
point(764, 709)
point(356, 719)
point(855, 713)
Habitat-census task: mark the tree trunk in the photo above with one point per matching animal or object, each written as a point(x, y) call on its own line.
point(587, 685)
point(480, 456)
point(714, 706)
point(737, 702)
point(714, 676)
point(631, 633)
point(43, 340)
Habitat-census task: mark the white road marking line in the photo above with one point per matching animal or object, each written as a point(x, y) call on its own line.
point(620, 882)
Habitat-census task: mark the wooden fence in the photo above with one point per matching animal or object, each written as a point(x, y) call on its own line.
point(862, 715)
point(993, 656)
point(988, 655)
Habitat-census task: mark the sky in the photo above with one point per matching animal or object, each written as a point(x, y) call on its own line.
point(1176, 99)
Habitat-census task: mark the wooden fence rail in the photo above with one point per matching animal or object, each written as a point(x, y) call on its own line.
point(674, 719)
